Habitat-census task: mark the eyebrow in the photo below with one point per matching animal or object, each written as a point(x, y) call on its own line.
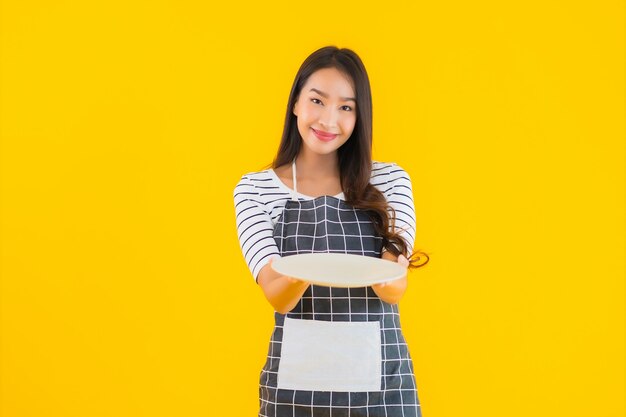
point(326, 95)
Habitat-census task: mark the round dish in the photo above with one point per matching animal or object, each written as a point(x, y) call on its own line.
point(339, 269)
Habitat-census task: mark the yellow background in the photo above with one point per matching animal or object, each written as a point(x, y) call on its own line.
point(126, 125)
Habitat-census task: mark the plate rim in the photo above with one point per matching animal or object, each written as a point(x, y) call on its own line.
point(340, 284)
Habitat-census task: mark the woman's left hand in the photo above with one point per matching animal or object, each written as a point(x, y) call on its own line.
point(402, 260)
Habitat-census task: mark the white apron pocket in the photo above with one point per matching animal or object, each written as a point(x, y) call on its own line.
point(330, 356)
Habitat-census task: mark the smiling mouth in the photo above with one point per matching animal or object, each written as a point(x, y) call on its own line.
point(324, 135)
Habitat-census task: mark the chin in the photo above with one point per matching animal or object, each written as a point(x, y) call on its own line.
point(320, 149)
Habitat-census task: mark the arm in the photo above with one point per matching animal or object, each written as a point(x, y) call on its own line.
point(281, 291)
point(255, 232)
point(392, 291)
point(254, 227)
point(400, 197)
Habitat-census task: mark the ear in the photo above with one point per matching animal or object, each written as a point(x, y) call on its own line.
point(295, 107)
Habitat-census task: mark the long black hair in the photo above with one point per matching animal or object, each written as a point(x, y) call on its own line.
point(355, 155)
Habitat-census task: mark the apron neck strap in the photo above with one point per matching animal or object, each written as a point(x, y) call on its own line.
point(294, 194)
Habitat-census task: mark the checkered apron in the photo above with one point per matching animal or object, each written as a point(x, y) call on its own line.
point(328, 224)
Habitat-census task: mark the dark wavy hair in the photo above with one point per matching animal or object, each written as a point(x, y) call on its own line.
point(355, 156)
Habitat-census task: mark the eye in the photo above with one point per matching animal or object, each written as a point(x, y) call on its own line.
point(316, 100)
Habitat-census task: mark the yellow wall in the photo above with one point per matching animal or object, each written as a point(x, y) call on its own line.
point(126, 125)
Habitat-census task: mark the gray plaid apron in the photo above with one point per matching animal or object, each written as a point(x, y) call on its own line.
point(339, 351)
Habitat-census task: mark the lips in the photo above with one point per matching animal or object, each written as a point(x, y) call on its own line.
point(325, 136)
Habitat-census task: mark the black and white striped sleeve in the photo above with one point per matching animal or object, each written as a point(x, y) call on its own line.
point(254, 227)
point(400, 197)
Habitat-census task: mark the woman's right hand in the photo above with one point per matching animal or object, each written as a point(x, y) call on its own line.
point(282, 291)
point(289, 279)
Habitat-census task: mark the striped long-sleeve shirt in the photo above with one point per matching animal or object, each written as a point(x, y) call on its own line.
point(260, 198)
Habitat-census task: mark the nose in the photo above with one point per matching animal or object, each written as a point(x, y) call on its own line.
point(328, 118)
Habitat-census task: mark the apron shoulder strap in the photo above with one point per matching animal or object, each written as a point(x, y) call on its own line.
point(294, 194)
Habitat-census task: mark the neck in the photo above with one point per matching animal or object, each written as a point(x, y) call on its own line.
point(315, 166)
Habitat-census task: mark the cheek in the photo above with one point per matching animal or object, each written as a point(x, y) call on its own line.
point(309, 110)
point(349, 123)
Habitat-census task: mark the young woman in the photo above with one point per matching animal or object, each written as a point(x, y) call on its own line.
point(333, 351)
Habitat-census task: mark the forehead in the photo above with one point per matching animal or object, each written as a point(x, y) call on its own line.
point(331, 81)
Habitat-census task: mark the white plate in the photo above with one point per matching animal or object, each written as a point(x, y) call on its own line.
point(338, 269)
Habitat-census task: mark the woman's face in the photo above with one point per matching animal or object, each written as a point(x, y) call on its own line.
point(326, 110)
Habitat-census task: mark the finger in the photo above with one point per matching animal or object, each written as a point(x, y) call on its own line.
point(402, 260)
